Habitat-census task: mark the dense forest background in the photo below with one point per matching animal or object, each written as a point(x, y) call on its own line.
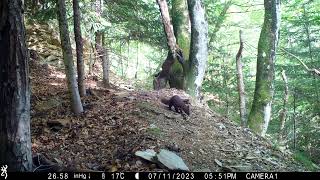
point(136, 45)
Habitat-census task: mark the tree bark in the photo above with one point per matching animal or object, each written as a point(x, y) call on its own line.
point(79, 47)
point(91, 59)
point(98, 34)
point(15, 136)
point(171, 39)
point(76, 104)
point(199, 47)
point(283, 113)
point(242, 96)
point(137, 62)
point(175, 71)
point(105, 65)
point(260, 113)
point(121, 60)
point(182, 32)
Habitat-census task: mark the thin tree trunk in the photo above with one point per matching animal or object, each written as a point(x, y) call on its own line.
point(76, 104)
point(137, 62)
point(79, 47)
point(168, 28)
point(294, 118)
point(283, 114)
point(199, 47)
point(307, 26)
point(92, 59)
point(98, 34)
point(105, 64)
point(128, 55)
point(242, 96)
point(260, 113)
point(225, 86)
point(98, 45)
point(15, 136)
point(121, 60)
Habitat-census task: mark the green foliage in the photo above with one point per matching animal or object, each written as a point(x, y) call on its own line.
point(303, 158)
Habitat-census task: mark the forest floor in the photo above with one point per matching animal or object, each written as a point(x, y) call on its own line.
point(119, 121)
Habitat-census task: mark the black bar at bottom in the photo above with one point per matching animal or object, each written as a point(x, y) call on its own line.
point(160, 175)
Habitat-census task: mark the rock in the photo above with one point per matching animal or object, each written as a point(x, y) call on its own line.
point(148, 154)
point(218, 162)
point(171, 160)
point(221, 126)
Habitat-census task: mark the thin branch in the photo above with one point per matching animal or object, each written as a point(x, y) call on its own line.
point(315, 71)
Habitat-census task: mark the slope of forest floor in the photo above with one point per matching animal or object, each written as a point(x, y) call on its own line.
point(117, 122)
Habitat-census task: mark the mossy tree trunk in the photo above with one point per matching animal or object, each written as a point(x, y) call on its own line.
point(199, 47)
point(181, 27)
point(76, 104)
point(260, 114)
point(15, 136)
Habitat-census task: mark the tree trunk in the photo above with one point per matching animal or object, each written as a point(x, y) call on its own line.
point(171, 39)
point(91, 59)
point(137, 62)
point(260, 114)
point(105, 65)
point(98, 34)
point(181, 27)
point(178, 38)
point(283, 113)
point(199, 47)
point(79, 46)
point(98, 45)
point(15, 137)
point(160, 80)
point(121, 60)
point(294, 119)
point(128, 57)
point(242, 96)
point(76, 104)
point(225, 79)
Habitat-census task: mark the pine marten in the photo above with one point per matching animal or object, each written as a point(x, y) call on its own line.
point(178, 104)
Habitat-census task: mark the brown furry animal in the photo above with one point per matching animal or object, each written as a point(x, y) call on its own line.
point(178, 104)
